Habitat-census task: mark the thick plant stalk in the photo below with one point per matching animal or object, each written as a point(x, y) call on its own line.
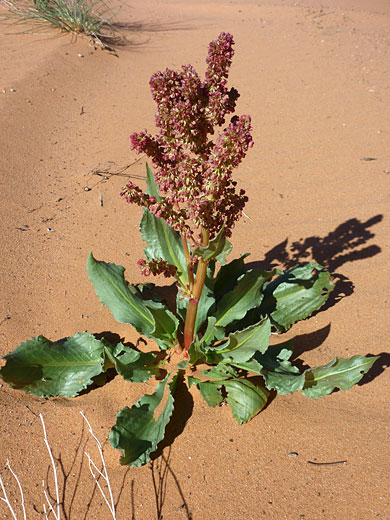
point(192, 309)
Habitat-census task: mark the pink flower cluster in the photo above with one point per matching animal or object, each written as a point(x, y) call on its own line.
point(194, 171)
point(156, 266)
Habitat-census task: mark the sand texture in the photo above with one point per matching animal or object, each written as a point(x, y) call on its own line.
point(314, 76)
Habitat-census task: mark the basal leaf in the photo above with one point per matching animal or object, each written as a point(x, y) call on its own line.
point(278, 372)
point(220, 371)
point(51, 368)
point(296, 294)
point(246, 399)
point(132, 365)
point(218, 248)
point(166, 324)
point(228, 276)
point(137, 431)
point(122, 299)
point(243, 344)
point(209, 390)
point(245, 295)
point(162, 241)
point(196, 354)
point(212, 333)
point(340, 373)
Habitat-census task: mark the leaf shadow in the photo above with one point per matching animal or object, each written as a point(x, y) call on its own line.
point(184, 404)
point(377, 368)
point(346, 243)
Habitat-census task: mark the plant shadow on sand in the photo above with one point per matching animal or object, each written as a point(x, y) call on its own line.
point(347, 243)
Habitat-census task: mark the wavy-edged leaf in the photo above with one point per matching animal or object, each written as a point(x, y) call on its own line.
point(137, 431)
point(245, 295)
point(296, 294)
point(132, 365)
point(51, 368)
point(243, 344)
point(162, 241)
point(340, 373)
point(278, 372)
point(219, 247)
point(148, 317)
point(122, 299)
point(246, 399)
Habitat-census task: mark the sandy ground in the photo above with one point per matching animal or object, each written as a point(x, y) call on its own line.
point(314, 77)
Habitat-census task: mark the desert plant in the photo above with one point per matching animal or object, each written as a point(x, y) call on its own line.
point(221, 326)
point(79, 17)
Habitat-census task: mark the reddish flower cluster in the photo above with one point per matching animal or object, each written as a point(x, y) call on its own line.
point(193, 172)
point(157, 266)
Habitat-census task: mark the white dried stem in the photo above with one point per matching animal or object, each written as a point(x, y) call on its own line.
point(57, 515)
point(103, 474)
point(6, 499)
point(20, 489)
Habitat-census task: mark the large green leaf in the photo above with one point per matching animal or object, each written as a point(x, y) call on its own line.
point(340, 373)
point(162, 241)
point(245, 295)
point(122, 299)
point(51, 368)
point(296, 294)
point(243, 344)
point(132, 365)
point(218, 248)
point(137, 431)
point(125, 301)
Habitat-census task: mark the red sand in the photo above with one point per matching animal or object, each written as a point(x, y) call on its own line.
point(314, 77)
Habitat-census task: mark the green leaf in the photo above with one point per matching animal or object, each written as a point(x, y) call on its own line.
point(296, 294)
point(50, 368)
point(220, 371)
point(209, 390)
point(218, 248)
point(212, 333)
point(132, 365)
point(246, 295)
point(137, 431)
point(166, 324)
point(150, 318)
point(162, 241)
point(243, 344)
point(340, 373)
point(228, 275)
point(279, 374)
point(122, 299)
point(246, 399)
point(196, 353)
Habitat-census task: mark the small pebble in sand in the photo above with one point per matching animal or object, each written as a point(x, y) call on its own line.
point(293, 454)
point(87, 188)
point(80, 55)
point(12, 90)
point(50, 230)
point(3, 91)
